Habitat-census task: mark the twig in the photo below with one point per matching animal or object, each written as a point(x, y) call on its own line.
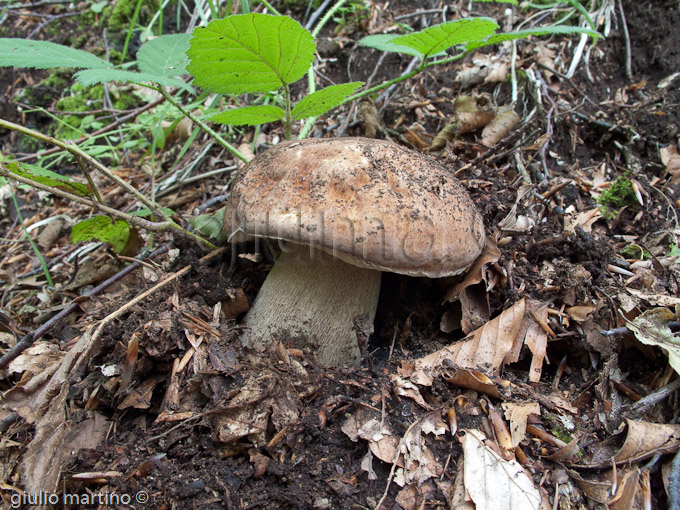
point(629, 66)
point(30, 338)
point(656, 396)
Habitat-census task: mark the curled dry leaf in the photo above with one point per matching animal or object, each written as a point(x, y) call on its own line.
point(474, 380)
point(518, 414)
point(494, 483)
point(499, 127)
point(464, 122)
point(671, 160)
point(484, 349)
point(644, 439)
point(651, 328)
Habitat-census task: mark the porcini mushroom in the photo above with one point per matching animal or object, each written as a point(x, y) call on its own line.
point(345, 209)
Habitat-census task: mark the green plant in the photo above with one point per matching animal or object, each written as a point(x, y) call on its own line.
point(619, 194)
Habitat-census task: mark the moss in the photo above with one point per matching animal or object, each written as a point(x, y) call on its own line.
point(558, 429)
point(84, 99)
point(619, 194)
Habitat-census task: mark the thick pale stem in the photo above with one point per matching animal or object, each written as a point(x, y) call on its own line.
point(318, 302)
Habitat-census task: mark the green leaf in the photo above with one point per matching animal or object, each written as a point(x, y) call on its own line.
point(383, 42)
point(323, 100)
point(102, 228)
point(210, 225)
point(523, 34)
point(47, 178)
point(45, 55)
point(438, 38)
point(164, 55)
point(250, 53)
point(89, 77)
point(249, 115)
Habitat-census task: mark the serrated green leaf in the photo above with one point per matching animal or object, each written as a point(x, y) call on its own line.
point(323, 100)
point(47, 178)
point(523, 34)
point(440, 37)
point(249, 115)
point(164, 55)
point(46, 55)
point(210, 225)
point(250, 53)
point(89, 77)
point(383, 42)
point(102, 228)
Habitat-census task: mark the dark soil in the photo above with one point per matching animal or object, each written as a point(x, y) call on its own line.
point(312, 463)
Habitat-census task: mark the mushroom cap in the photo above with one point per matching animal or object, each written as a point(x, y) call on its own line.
point(371, 203)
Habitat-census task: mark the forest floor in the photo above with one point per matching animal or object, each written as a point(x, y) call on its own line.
point(145, 391)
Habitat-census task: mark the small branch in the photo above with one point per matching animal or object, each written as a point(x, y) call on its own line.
point(86, 173)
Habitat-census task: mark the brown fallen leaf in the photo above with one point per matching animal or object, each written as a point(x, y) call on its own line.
point(463, 122)
point(517, 415)
point(499, 127)
point(492, 482)
point(474, 380)
point(671, 160)
point(484, 349)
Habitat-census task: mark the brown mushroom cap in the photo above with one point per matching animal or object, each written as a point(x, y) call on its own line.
point(369, 202)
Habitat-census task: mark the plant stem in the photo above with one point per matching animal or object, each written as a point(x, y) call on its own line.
point(326, 17)
point(310, 72)
point(201, 124)
point(289, 119)
point(43, 264)
point(270, 8)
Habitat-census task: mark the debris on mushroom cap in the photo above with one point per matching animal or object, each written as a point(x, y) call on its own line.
point(371, 203)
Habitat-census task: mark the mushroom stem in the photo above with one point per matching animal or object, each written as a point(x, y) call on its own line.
point(316, 302)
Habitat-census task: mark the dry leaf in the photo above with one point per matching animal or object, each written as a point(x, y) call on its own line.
point(671, 160)
point(475, 273)
point(499, 128)
point(517, 415)
point(473, 380)
point(494, 483)
point(484, 349)
point(651, 328)
point(580, 313)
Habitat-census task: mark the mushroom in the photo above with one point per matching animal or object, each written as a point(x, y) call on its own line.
point(343, 210)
